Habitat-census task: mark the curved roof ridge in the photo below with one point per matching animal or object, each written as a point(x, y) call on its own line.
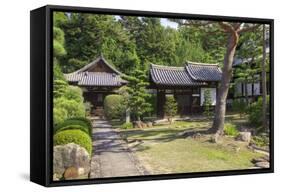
point(95, 62)
point(205, 64)
point(167, 67)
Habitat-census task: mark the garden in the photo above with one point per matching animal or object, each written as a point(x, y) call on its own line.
point(229, 131)
point(183, 144)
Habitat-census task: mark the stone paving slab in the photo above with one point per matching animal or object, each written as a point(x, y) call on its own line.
point(112, 157)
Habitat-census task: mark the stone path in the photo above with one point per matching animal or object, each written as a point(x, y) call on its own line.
point(111, 158)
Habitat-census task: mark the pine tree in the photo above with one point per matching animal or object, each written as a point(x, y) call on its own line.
point(207, 104)
point(170, 108)
point(137, 94)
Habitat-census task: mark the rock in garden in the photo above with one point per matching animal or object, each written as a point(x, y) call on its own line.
point(161, 122)
point(257, 160)
point(69, 157)
point(216, 138)
point(266, 158)
point(244, 136)
point(138, 124)
point(71, 173)
point(143, 124)
point(263, 164)
point(149, 124)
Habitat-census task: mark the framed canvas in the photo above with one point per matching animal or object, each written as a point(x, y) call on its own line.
point(125, 95)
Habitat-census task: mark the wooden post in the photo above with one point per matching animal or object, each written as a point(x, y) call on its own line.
point(160, 103)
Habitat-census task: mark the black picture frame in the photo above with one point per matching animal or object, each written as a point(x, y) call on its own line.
point(41, 95)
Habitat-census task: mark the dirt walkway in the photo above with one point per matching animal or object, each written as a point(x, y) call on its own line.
point(111, 156)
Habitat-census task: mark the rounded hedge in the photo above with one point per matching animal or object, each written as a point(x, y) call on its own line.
point(74, 136)
point(127, 125)
point(81, 121)
point(113, 106)
point(78, 127)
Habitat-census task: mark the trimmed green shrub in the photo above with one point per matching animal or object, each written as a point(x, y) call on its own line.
point(170, 107)
point(60, 87)
point(113, 107)
point(74, 136)
point(73, 108)
point(78, 127)
point(84, 120)
point(80, 121)
point(74, 93)
point(59, 114)
point(230, 129)
point(127, 125)
point(207, 104)
point(255, 112)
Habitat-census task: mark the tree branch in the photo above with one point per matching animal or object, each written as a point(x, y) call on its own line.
point(246, 29)
point(227, 27)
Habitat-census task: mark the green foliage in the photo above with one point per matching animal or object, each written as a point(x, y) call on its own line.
point(58, 42)
point(230, 129)
point(261, 141)
point(255, 111)
point(59, 88)
point(73, 136)
point(58, 75)
point(207, 104)
point(72, 107)
point(74, 93)
point(170, 107)
point(240, 106)
point(59, 115)
point(76, 121)
point(113, 107)
point(152, 100)
point(74, 127)
point(85, 120)
point(137, 94)
point(127, 125)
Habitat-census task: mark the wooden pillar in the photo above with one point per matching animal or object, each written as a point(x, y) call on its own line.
point(160, 103)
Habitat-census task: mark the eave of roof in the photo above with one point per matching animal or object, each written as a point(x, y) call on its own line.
point(95, 79)
point(203, 71)
point(171, 76)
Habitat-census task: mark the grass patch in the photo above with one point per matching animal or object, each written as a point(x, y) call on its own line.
point(163, 150)
point(189, 155)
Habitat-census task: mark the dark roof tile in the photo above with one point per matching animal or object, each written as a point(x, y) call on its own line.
point(173, 76)
point(95, 79)
point(204, 72)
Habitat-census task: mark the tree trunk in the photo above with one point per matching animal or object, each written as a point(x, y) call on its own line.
point(264, 119)
point(246, 93)
point(218, 123)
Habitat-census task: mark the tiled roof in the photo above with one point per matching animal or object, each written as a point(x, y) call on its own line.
point(174, 76)
point(95, 62)
point(203, 72)
point(193, 74)
point(95, 79)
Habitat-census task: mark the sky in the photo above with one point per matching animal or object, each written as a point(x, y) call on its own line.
point(167, 23)
point(164, 22)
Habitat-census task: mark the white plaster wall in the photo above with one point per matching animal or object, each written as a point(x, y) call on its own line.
point(257, 89)
point(213, 95)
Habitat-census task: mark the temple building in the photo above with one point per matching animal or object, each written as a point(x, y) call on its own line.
point(188, 83)
point(97, 80)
